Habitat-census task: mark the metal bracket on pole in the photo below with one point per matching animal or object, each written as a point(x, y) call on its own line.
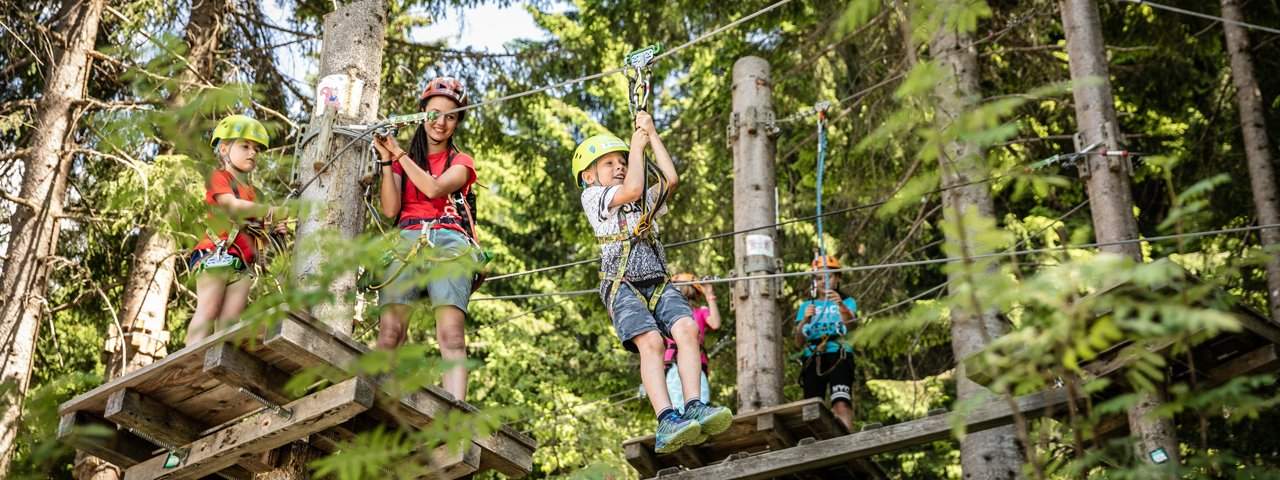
point(1082, 166)
point(318, 138)
point(276, 409)
point(753, 119)
point(1117, 157)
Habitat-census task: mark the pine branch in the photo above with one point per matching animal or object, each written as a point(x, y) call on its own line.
point(7, 156)
point(18, 200)
point(24, 104)
point(95, 104)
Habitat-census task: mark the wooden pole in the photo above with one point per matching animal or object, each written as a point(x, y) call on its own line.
point(1257, 144)
point(758, 332)
point(994, 453)
point(1110, 193)
point(354, 36)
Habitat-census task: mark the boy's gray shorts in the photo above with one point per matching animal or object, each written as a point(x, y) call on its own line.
point(442, 283)
point(631, 316)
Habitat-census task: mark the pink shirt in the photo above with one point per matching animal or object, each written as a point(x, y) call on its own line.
point(700, 315)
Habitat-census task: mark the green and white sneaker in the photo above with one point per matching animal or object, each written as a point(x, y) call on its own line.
point(713, 420)
point(674, 432)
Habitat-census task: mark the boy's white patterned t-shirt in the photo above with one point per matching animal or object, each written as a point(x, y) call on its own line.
point(647, 261)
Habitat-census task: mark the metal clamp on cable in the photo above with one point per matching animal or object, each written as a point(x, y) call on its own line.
point(638, 70)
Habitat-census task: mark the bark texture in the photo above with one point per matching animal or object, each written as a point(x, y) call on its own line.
point(1257, 144)
point(33, 241)
point(994, 453)
point(1110, 192)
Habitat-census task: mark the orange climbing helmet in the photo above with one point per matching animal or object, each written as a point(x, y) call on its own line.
point(682, 277)
point(832, 262)
point(445, 87)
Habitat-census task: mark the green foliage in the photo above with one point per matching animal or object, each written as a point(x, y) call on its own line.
point(553, 367)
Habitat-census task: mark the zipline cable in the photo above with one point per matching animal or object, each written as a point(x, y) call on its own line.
point(620, 69)
point(916, 263)
point(1202, 15)
point(332, 157)
point(1034, 166)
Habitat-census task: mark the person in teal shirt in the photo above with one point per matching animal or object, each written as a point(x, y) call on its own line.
point(821, 325)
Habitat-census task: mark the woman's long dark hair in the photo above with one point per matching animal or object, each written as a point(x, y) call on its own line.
point(418, 146)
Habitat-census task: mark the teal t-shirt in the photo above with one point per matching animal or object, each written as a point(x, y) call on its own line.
point(826, 321)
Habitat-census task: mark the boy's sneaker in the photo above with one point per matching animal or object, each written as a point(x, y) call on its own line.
point(713, 420)
point(674, 432)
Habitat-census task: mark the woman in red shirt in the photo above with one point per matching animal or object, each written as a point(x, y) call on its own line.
point(432, 212)
point(223, 276)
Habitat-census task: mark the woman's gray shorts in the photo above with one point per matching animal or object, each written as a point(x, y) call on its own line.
point(443, 283)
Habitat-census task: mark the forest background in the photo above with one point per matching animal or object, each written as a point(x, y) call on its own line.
point(551, 366)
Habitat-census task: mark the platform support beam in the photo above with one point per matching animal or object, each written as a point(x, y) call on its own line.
point(263, 431)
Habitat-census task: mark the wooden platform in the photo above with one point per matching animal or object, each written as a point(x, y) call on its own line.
point(203, 401)
point(754, 433)
point(815, 459)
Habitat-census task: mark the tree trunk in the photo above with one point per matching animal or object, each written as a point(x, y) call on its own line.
point(1110, 193)
point(354, 36)
point(994, 453)
point(1257, 145)
point(153, 269)
point(33, 239)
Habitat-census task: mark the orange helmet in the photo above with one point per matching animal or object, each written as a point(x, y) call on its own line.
point(682, 277)
point(816, 264)
point(445, 87)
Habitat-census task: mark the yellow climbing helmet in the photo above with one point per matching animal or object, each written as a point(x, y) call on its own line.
point(240, 127)
point(591, 150)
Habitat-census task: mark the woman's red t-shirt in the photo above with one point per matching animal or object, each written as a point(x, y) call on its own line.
point(414, 205)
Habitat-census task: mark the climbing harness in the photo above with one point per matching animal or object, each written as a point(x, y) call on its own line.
point(638, 68)
point(460, 201)
point(642, 232)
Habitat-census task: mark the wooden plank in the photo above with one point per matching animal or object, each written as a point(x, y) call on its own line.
point(512, 455)
point(308, 347)
point(450, 464)
point(509, 454)
point(238, 368)
point(131, 409)
point(642, 458)
point(171, 376)
point(844, 449)
point(1261, 360)
point(119, 447)
point(689, 457)
point(263, 431)
point(1257, 324)
point(775, 432)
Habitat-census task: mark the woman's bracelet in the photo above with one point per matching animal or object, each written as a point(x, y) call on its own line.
point(398, 155)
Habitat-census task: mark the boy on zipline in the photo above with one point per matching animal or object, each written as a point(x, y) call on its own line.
point(633, 275)
point(223, 266)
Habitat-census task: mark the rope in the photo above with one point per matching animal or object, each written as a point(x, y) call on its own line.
point(1202, 15)
point(822, 163)
point(916, 263)
point(823, 106)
